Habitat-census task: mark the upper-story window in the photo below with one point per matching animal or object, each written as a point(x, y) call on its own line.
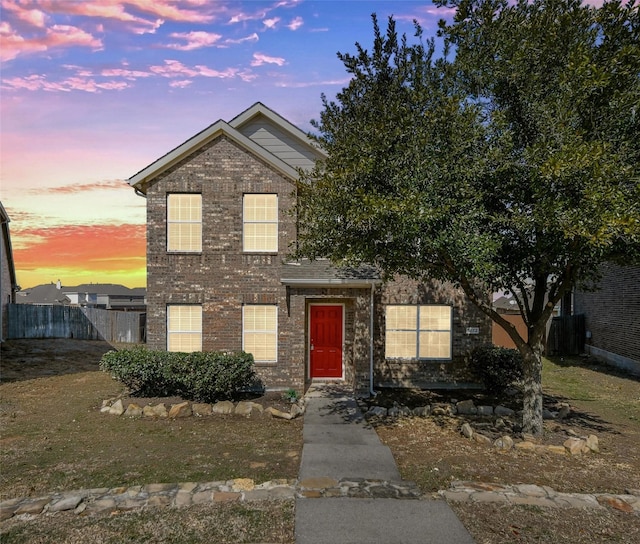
point(260, 223)
point(184, 222)
point(418, 332)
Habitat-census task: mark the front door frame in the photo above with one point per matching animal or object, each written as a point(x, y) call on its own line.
point(308, 342)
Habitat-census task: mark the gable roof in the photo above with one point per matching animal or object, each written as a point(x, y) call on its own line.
point(232, 130)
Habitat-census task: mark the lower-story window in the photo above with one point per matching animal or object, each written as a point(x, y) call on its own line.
point(184, 327)
point(418, 332)
point(260, 332)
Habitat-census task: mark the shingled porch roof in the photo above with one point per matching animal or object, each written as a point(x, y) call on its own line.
point(322, 273)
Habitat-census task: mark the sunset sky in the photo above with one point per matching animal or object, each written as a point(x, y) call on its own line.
point(95, 90)
point(92, 91)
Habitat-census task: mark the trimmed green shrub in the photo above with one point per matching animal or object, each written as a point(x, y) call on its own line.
point(497, 367)
point(201, 376)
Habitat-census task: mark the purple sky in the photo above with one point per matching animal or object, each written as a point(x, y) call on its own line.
point(95, 90)
point(92, 91)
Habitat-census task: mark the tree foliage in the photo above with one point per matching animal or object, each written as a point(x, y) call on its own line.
point(510, 162)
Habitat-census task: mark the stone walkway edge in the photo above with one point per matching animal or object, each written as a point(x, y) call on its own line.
point(106, 500)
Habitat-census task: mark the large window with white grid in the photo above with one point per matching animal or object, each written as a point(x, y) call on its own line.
point(184, 327)
point(260, 331)
point(184, 222)
point(418, 332)
point(260, 223)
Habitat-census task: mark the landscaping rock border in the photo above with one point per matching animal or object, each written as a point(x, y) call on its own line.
point(496, 426)
point(535, 495)
point(187, 409)
point(244, 490)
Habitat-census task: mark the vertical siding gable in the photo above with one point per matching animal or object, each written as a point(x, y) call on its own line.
point(279, 143)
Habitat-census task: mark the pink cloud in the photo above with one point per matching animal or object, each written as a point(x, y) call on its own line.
point(82, 187)
point(306, 84)
point(75, 83)
point(271, 23)
point(173, 68)
point(259, 59)
point(105, 9)
point(34, 17)
point(251, 38)
point(247, 76)
point(168, 9)
point(195, 40)
point(295, 24)
point(181, 84)
point(124, 73)
point(58, 36)
point(225, 74)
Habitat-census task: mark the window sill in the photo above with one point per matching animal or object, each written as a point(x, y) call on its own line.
point(260, 252)
point(418, 360)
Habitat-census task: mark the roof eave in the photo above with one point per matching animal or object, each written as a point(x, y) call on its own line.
point(336, 282)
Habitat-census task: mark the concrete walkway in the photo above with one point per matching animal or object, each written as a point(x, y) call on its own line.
point(340, 446)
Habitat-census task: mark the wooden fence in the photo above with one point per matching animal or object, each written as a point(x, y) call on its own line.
point(36, 321)
point(567, 335)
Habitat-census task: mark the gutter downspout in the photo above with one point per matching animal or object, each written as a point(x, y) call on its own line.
point(371, 322)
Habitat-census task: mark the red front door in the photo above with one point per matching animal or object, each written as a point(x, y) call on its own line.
point(325, 346)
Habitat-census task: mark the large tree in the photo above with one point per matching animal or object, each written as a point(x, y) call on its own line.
point(512, 166)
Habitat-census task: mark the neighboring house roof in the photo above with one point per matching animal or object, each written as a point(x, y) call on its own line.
point(506, 304)
point(321, 272)
point(6, 246)
point(111, 289)
point(244, 130)
point(54, 294)
point(42, 294)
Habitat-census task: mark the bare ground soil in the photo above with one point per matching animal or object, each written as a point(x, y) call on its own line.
point(52, 437)
point(432, 452)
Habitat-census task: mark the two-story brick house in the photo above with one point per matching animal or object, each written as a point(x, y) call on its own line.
point(219, 230)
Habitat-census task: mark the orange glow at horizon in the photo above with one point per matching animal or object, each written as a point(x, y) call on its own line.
point(77, 254)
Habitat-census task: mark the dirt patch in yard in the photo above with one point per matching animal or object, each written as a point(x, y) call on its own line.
point(53, 436)
point(432, 452)
point(265, 521)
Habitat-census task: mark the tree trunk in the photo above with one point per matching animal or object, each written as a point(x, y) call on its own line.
point(532, 401)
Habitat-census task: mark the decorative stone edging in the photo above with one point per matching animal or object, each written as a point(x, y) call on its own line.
point(501, 421)
point(535, 495)
point(102, 500)
point(107, 500)
point(187, 409)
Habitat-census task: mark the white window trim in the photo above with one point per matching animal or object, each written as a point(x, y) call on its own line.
point(275, 332)
point(417, 330)
point(248, 222)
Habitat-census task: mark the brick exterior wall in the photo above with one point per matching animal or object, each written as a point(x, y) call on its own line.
point(612, 314)
point(6, 292)
point(222, 279)
point(424, 373)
